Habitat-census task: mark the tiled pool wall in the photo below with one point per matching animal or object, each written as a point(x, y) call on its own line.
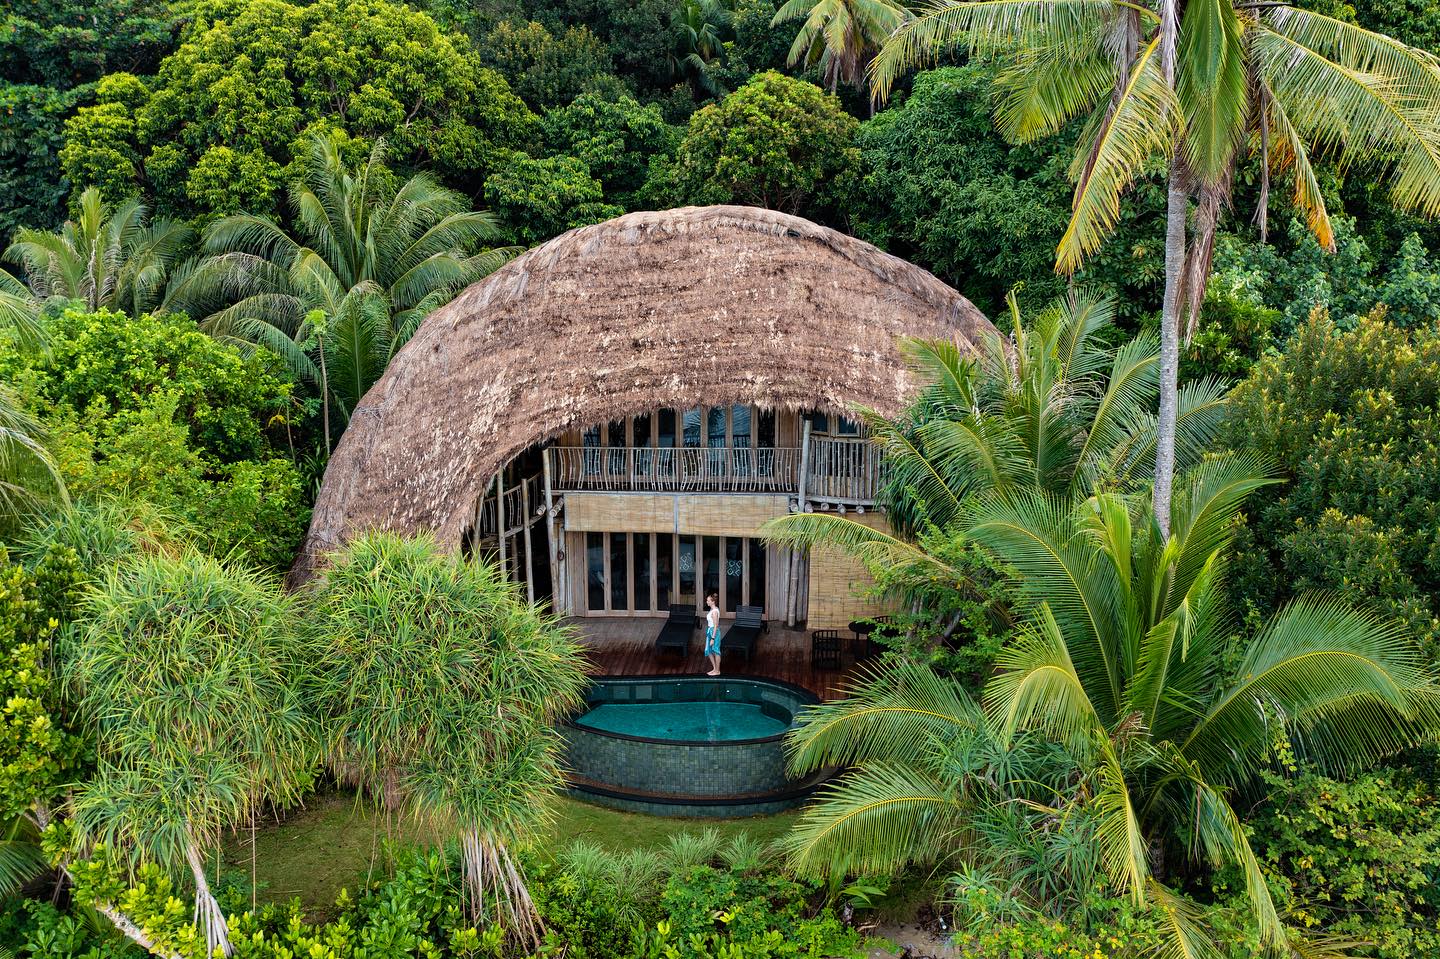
point(738, 778)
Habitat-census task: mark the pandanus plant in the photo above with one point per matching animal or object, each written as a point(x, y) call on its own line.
point(1128, 661)
point(442, 688)
point(193, 677)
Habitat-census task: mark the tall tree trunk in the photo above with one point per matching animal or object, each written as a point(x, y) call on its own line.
point(209, 917)
point(1174, 277)
point(324, 397)
point(1170, 347)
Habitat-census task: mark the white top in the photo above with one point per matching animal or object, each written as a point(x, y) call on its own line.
point(712, 618)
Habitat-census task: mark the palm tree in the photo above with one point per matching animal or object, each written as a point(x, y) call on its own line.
point(20, 313)
point(1194, 87)
point(700, 27)
point(374, 257)
point(106, 257)
point(1052, 408)
point(193, 678)
point(29, 477)
point(1124, 664)
point(442, 690)
point(842, 36)
point(28, 474)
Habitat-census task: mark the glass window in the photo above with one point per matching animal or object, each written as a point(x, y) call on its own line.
point(712, 568)
point(765, 429)
point(595, 572)
point(692, 427)
point(615, 439)
point(640, 438)
point(640, 552)
point(819, 423)
point(664, 569)
point(846, 427)
point(740, 426)
point(734, 571)
point(591, 442)
point(619, 568)
point(756, 574)
point(665, 429)
point(686, 562)
point(715, 427)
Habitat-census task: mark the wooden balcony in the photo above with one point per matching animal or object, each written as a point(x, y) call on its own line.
point(841, 471)
point(674, 470)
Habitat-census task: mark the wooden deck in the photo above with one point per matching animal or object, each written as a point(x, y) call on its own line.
point(624, 646)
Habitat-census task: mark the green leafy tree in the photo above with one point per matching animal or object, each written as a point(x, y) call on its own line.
point(106, 256)
point(840, 36)
point(617, 140)
point(1348, 284)
point(1350, 418)
point(193, 677)
point(776, 142)
point(30, 154)
point(545, 69)
point(1355, 856)
point(152, 410)
point(1125, 661)
point(442, 690)
point(941, 188)
point(253, 77)
point(535, 200)
point(373, 255)
point(38, 753)
point(1186, 87)
point(66, 43)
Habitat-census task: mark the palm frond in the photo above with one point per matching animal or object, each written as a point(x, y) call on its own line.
point(877, 819)
point(1137, 125)
point(886, 713)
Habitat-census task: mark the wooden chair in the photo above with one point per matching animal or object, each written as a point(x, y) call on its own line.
point(745, 631)
point(678, 629)
point(825, 649)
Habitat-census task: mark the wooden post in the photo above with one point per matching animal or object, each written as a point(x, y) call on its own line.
point(558, 599)
point(529, 550)
point(792, 603)
point(500, 520)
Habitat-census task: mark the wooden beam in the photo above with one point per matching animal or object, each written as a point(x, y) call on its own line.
point(558, 600)
point(500, 520)
point(529, 548)
point(792, 601)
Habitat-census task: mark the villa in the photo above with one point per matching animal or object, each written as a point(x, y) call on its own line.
point(616, 413)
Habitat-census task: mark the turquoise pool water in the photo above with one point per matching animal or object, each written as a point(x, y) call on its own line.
point(685, 721)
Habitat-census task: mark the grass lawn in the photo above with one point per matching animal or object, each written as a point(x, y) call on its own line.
point(332, 843)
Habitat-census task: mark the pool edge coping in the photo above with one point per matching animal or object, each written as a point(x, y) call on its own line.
point(814, 700)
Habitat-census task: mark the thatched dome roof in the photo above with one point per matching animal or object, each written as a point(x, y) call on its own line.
point(710, 305)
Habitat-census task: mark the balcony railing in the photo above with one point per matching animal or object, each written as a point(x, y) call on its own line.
point(842, 471)
point(673, 470)
point(846, 471)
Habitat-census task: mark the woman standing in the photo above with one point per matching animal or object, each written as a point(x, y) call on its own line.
point(712, 632)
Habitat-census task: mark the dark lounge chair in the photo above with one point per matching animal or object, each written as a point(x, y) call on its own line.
point(675, 634)
point(745, 631)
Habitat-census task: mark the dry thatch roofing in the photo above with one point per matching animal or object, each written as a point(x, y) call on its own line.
point(713, 305)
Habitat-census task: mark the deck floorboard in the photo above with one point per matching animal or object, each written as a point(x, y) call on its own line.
point(623, 646)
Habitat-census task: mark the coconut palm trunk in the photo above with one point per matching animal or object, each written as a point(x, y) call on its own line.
point(486, 864)
point(1170, 349)
point(209, 917)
